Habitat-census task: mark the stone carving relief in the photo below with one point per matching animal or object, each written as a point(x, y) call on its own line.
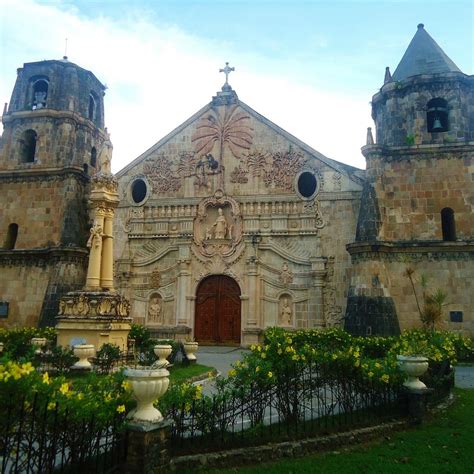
point(218, 226)
point(162, 174)
point(231, 130)
point(286, 275)
point(217, 266)
point(332, 312)
point(285, 312)
point(155, 279)
point(312, 207)
point(337, 181)
point(155, 309)
point(90, 304)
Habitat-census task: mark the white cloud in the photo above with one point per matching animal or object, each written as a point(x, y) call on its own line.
point(158, 76)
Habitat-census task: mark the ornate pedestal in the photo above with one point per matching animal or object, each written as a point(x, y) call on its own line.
point(93, 318)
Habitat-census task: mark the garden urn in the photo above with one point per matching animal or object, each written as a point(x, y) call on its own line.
point(162, 351)
point(191, 348)
point(83, 351)
point(1, 347)
point(148, 385)
point(413, 367)
point(38, 343)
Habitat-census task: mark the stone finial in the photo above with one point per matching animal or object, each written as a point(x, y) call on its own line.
point(370, 137)
point(5, 108)
point(388, 76)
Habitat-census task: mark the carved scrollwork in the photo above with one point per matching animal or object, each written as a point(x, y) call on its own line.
point(84, 304)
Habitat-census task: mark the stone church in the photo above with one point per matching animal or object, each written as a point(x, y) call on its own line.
point(229, 224)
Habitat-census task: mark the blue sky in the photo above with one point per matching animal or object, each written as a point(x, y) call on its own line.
point(311, 67)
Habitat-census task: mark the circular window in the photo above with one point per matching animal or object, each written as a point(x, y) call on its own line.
point(307, 184)
point(138, 190)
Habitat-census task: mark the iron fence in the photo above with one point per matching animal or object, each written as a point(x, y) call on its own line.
point(39, 437)
point(311, 401)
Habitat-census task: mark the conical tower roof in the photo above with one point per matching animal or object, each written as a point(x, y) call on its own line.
point(423, 56)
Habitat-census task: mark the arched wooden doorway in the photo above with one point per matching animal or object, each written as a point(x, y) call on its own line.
point(218, 311)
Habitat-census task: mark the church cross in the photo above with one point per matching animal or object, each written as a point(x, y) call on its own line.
point(227, 70)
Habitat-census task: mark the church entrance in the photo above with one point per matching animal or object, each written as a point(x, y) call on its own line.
point(218, 311)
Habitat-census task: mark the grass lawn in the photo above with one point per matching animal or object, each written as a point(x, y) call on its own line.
point(442, 445)
point(180, 373)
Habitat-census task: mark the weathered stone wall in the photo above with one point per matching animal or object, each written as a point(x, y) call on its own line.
point(32, 281)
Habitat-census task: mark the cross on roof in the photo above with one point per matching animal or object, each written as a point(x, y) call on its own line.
point(227, 70)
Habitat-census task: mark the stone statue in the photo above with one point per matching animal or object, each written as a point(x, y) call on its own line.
point(105, 156)
point(286, 313)
point(220, 225)
point(154, 309)
point(96, 236)
point(208, 233)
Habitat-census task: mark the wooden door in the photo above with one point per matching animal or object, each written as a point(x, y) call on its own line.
point(217, 317)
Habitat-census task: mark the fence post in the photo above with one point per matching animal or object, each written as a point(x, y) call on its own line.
point(147, 451)
point(417, 400)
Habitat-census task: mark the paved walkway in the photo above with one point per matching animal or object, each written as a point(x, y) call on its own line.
point(222, 357)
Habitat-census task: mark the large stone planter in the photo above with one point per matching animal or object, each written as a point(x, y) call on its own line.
point(83, 351)
point(190, 348)
point(38, 343)
point(1, 347)
point(414, 367)
point(163, 351)
point(148, 385)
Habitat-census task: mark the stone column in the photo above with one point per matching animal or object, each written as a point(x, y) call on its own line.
point(183, 286)
point(316, 299)
point(107, 266)
point(253, 293)
point(95, 256)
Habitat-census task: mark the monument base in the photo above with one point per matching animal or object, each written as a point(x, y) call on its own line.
point(98, 318)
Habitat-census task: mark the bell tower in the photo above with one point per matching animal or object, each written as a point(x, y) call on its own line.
point(418, 200)
point(53, 135)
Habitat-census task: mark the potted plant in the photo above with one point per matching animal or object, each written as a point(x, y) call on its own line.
point(38, 343)
point(413, 361)
point(148, 384)
point(190, 348)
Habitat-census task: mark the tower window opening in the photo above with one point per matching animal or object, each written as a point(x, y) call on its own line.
point(93, 157)
point(85, 167)
point(437, 116)
point(40, 94)
point(92, 113)
point(12, 234)
point(448, 224)
point(28, 146)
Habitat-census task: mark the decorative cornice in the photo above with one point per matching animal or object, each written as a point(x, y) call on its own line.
point(43, 174)
point(411, 250)
point(43, 256)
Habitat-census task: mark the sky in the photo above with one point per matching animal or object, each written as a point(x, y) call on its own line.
point(311, 67)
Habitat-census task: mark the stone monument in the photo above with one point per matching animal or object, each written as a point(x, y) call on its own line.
point(97, 314)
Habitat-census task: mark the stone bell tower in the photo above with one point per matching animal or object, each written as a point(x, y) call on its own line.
point(418, 201)
point(53, 135)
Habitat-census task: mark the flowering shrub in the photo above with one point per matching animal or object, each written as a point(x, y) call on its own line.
point(17, 342)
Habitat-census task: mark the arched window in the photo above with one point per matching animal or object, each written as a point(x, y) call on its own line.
point(93, 156)
point(12, 234)
point(92, 112)
point(40, 94)
point(28, 146)
point(85, 167)
point(437, 116)
point(447, 224)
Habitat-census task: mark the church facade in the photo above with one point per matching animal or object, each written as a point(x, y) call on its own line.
point(229, 224)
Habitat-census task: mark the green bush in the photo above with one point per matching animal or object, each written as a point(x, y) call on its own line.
point(17, 342)
point(106, 357)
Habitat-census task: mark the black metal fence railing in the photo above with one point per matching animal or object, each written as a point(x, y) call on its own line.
point(40, 437)
point(316, 400)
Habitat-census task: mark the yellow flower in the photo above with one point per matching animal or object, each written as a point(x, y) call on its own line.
point(80, 396)
point(280, 351)
point(263, 355)
point(385, 378)
point(270, 375)
point(64, 388)
point(51, 405)
point(377, 365)
point(121, 408)
point(46, 378)
point(257, 368)
point(232, 373)
point(357, 363)
point(370, 374)
point(126, 385)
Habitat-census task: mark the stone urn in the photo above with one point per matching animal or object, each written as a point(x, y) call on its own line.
point(414, 367)
point(191, 348)
point(38, 343)
point(1, 347)
point(162, 351)
point(148, 385)
point(83, 351)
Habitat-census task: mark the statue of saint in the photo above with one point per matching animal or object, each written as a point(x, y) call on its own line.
point(154, 309)
point(285, 313)
point(220, 225)
point(105, 157)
